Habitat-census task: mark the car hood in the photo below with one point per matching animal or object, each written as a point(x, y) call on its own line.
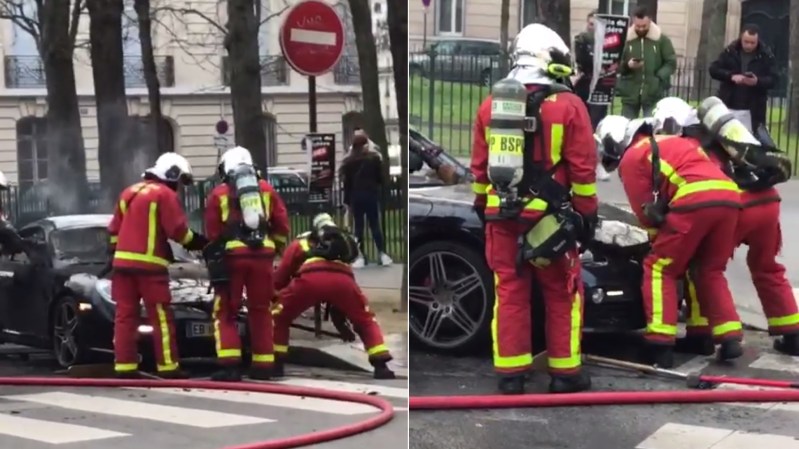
point(458, 194)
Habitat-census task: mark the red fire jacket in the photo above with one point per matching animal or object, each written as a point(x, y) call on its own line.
point(568, 137)
point(295, 260)
point(146, 215)
point(689, 178)
point(219, 213)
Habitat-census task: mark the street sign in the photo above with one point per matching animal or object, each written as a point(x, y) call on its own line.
point(312, 38)
point(221, 143)
point(221, 126)
point(426, 3)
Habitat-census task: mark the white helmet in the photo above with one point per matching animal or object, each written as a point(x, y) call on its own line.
point(171, 167)
point(323, 219)
point(614, 134)
point(540, 47)
point(673, 115)
point(232, 158)
point(4, 185)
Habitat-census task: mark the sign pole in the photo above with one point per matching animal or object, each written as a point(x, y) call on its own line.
point(424, 35)
point(317, 308)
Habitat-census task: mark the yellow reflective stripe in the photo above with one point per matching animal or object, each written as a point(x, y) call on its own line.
point(121, 367)
point(136, 257)
point(221, 353)
point(187, 238)
point(536, 204)
point(169, 367)
point(788, 320)
point(322, 259)
point(263, 358)
point(152, 228)
point(166, 344)
point(233, 244)
point(656, 326)
point(280, 238)
point(479, 188)
point(305, 245)
point(377, 349)
point(556, 142)
point(277, 309)
point(574, 360)
point(695, 318)
point(653, 232)
point(584, 189)
point(726, 328)
point(224, 208)
point(123, 207)
point(703, 186)
point(267, 203)
point(113, 239)
point(518, 361)
point(282, 349)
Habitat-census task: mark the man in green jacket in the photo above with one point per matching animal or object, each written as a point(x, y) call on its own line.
point(647, 63)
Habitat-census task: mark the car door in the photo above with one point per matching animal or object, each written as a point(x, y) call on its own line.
point(28, 292)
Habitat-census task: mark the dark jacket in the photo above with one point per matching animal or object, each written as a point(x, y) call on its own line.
point(584, 59)
point(361, 172)
point(649, 84)
point(743, 97)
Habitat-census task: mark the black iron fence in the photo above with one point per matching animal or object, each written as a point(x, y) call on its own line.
point(24, 205)
point(446, 90)
point(26, 72)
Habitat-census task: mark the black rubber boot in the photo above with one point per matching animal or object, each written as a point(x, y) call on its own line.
point(570, 383)
point(278, 370)
point(787, 344)
point(174, 374)
point(227, 374)
point(659, 355)
point(128, 375)
point(261, 373)
point(695, 344)
point(730, 349)
point(512, 384)
point(382, 371)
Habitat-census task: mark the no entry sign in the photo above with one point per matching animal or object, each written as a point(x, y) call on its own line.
point(312, 38)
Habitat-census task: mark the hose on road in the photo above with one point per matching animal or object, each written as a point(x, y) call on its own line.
point(373, 422)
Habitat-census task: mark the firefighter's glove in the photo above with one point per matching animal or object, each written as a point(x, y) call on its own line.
point(587, 230)
point(197, 243)
point(342, 325)
point(480, 207)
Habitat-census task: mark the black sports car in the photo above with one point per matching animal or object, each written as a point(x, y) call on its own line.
point(51, 298)
point(451, 286)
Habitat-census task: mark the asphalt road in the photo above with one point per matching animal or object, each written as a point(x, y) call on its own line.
point(720, 426)
point(98, 418)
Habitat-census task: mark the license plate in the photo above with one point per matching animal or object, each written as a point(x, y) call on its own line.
point(199, 329)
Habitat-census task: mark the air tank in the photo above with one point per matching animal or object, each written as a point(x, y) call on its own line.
point(721, 122)
point(506, 135)
point(245, 180)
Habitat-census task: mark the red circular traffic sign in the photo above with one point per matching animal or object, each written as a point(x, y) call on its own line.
point(312, 38)
point(221, 127)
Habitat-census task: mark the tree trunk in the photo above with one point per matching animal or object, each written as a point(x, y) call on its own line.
point(504, 22)
point(117, 163)
point(158, 135)
point(711, 43)
point(398, 38)
point(241, 43)
point(66, 155)
point(793, 115)
point(556, 14)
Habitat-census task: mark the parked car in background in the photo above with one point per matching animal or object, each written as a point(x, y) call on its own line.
point(457, 59)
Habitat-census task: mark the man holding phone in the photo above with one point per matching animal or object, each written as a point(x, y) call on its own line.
point(745, 70)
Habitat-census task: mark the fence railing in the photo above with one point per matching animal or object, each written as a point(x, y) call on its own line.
point(25, 205)
point(347, 70)
point(446, 90)
point(27, 72)
point(274, 71)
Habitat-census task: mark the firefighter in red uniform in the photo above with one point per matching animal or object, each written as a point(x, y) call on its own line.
point(534, 165)
point(758, 227)
point(146, 215)
point(316, 268)
point(690, 209)
point(247, 224)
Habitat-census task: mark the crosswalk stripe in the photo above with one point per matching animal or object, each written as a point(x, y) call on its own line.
point(781, 406)
point(684, 436)
point(274, 400)
point(52, 432)
point(785, 363)
point(381, 390)
point(133, 409)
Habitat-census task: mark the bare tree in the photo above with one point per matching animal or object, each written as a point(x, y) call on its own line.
point(556, 14)
point(711, 42)
point(159, 134)
point(504, 22)
point(398, 45)
point(53, 24)
point(794, 66)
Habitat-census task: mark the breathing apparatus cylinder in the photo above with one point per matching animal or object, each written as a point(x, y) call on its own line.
point(721, 122)
point(245, 182)
point(506, 136)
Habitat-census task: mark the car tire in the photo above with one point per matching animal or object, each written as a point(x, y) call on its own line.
point(477, 340)
point(65, 333)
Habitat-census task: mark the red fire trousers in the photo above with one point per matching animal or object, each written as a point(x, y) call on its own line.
point(759, 228)
point(253, 274)
point(342, 292)
point(700, 242)
point(128, 289)
point(562, 289)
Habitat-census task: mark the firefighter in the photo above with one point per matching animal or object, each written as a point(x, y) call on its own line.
point(534, 162)
point(247, 224)
point(690, 209)
point(758, 227)
point(146, 215)
point(315, 268)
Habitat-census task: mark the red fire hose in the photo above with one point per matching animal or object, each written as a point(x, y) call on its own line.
point(385, 407)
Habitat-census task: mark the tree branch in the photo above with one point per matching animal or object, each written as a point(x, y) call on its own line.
point(194, 12)
point(14, 11)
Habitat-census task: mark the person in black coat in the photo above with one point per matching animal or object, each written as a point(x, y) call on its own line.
point(584, 60)
point(746, 70)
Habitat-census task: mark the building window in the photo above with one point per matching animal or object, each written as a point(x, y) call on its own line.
point(31, 150)
point(270, 125)
point(529, 12)
point(616, 7)
point(450, 17)
point(378, 8)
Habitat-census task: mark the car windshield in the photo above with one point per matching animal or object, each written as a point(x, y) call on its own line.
point(86, 245)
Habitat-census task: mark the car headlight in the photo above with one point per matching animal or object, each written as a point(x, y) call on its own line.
point(597, 296)
point(103, 287)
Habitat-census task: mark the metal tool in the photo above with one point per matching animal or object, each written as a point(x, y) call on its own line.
point(692, 380)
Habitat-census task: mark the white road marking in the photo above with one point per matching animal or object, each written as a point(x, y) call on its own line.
point(313, 37)
point(780, 406)
point(683, 436)
point(51, 432)
point(273, 400)
point(777, 362)
point(694, 365)
point(380, 390)
point(132, 409)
